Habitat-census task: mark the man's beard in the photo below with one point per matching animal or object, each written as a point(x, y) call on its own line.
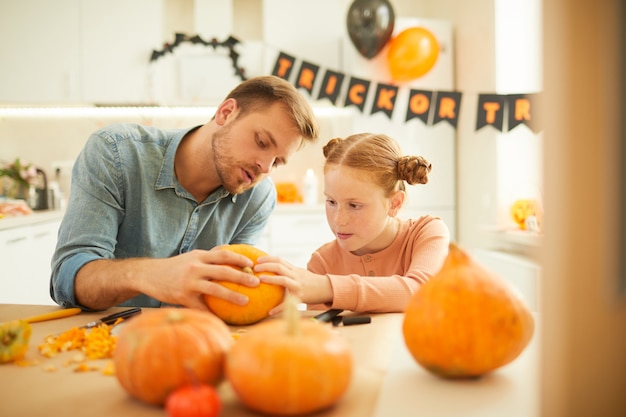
point(224, 163)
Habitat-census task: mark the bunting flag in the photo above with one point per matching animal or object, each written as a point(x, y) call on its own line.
point(306, 76)
point(518, 109)
point(331, 86)
point(446, 105)
point(283, 66)
point(180, 38)
point(419, 105)
point(490, 111)
point(385, 99)
point(357, 93)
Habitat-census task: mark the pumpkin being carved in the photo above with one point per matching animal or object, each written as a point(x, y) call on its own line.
point(465, 321)
point(166, 348)
point(289, 367)
point(262, 298)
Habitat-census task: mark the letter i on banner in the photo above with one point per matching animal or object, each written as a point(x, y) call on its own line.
point(283, 66)
point(490, 111)
point(331, 86)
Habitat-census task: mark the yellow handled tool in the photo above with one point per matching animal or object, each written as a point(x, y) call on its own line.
point(57, 314)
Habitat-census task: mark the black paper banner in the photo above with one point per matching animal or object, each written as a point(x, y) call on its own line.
point(490, 111)
point(385, 99)
point(521, 111)
point(431, 107)
point(447, 107)
point(306, 76)
point(228, 43)
point(357, 93)
point(419, 105)
point(283, 66)
point(331, 86)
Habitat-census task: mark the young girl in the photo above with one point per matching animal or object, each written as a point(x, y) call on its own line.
point(377, 260)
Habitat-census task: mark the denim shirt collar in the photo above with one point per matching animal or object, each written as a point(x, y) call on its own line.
point(166, 178)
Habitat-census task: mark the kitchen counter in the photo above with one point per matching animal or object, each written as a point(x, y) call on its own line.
point(386, 382)
point(40, 216)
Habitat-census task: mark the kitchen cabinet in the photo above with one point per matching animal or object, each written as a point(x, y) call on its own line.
point(40, 50)
point(295, 231)
point(25, 254)
point(72, 51)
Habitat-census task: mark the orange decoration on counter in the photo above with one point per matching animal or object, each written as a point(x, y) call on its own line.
point(287, 192)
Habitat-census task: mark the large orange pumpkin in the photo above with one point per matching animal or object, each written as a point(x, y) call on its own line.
point(261, 299)
point(289, 367)
point(466, 321)
point(166, 348)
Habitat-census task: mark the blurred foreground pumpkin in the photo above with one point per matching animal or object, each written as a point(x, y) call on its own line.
point(166, 348)
point(261, 299)
point(289, 366)
point(465, 321)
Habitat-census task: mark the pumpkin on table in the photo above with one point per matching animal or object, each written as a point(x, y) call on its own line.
point(466, 321)
point(262, 298)
point(290, 366)
point(164, 349)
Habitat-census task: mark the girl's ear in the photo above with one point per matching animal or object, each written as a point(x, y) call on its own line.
point(397, 201)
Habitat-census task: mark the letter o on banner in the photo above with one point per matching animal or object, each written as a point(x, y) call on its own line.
point(412, 53)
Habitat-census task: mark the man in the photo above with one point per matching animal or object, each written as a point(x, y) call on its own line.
point(147, 205)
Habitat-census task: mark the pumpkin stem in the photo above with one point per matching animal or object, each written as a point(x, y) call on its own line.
point(292, 315)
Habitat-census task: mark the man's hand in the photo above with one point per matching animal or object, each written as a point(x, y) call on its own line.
point(179, 280)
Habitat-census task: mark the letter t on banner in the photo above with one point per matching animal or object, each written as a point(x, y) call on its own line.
point(283, 66)
point(490, 111)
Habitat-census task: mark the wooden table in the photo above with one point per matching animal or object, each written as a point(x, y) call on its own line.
point(386, 381)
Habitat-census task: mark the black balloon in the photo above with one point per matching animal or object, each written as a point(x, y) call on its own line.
point(370, 25)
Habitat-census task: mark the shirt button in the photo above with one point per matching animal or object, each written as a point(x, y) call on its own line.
point(368, 258)
point(371, 273)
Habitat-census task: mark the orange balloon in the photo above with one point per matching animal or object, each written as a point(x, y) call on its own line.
point(412, 53)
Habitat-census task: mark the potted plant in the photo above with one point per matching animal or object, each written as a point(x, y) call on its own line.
point(19, 178)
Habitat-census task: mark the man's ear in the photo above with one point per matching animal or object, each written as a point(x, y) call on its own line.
point(225, 111)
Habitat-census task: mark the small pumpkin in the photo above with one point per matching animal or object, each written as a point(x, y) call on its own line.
point(14, 339)
point(289, 366)
point(466, 321)
point(164, 349)
point(261, 299)
point(522, 209)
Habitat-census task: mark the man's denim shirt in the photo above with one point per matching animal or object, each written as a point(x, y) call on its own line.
point(126, 202)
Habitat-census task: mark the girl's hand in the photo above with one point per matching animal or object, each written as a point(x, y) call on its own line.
point(310, 288)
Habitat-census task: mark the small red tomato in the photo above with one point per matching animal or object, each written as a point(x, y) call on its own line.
point(200, 400)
